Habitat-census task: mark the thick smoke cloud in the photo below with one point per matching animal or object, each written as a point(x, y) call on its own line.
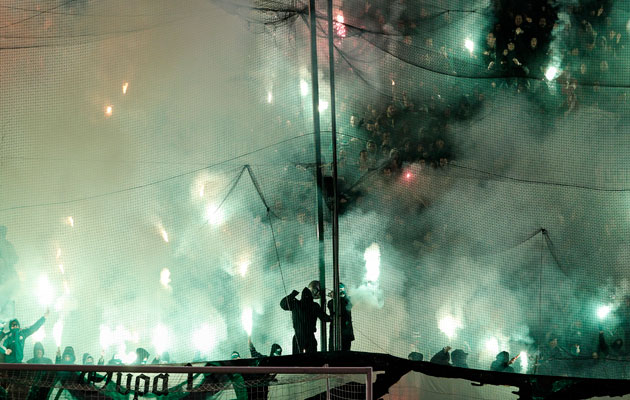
point(205, 95)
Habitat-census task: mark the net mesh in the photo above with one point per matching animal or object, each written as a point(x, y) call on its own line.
point(157, 165)
point(169, 385)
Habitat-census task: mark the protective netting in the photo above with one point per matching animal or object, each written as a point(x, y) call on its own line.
point(158, 176)
point(42, 384)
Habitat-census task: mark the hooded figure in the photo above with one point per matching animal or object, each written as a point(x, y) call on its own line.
point(87, 359)
point(502, 363)
point(142, 356)
point(304, 313)
point(67, 358)
point(276, 350)
point(459, 358)
point(442, 357)
point(13, 341)
point(345, 307)
point(38, 355)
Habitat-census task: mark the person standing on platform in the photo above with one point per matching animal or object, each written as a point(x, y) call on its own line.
point(345, 308)
point(304, 314)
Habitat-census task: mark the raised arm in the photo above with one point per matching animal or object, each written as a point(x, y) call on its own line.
point(288, 303)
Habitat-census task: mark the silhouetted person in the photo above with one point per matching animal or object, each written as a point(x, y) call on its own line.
point(304, 314)
point(345, 308)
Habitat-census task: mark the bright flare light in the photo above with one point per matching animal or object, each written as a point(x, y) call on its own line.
point(165, 278)
point(243, 266)
point(45, 291)
point(204, 338)
point(164, 235)
point(61, 269)
point(106, 337)
point(303, 87)
point(340, 27)
point(603, 311)
point(214, 215)
point(57, 332)
point(161, 340)
point(524, 361)
point(323, 106)
point(128, 358)
point(448, 325)
point(269, 97)
point(492, 345)
point(70, 221)
point(39, 335)
point(246, 320)
point(470, 45)
point(109, 110)
point(551, 73)
point(124, 87)
point(372, 257)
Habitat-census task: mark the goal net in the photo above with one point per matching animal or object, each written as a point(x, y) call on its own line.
point(183, 382)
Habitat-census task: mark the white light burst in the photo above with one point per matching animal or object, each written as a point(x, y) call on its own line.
point(165, 278)
point(247, 321)
point(449, 325)
point(470, 45)
point(372, 257)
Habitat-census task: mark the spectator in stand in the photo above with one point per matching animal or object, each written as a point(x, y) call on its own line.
point(459, 358)
point(142, 356)
point(442, 357)
point(67, 358)
point(235, 355)
point(13, 340)
point(502, 363)
point(89, 360)
point(415, 356)
point(165, 358)
point(276, 350)
point(38, 355)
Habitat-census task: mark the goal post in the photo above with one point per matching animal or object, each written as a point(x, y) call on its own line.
point(56, 382)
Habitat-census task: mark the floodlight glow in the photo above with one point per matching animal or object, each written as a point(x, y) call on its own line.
point(214, 215)
point(303, 87)
point(492, 345)
point(57, 332)
point(448, 325)
point(58, 253)
point(372, 257)
point(70, 221)
point(603, 311)
point(45, 292)
point(39, 335)
point(269, 97)
point(524, 361)
point(165, 277)
point(246, 320)
point(323, 106)
point(109, 110)
point(124, 87)
point(551, 73)
point(470, 45)
point(161, 339)
point(164, 234)
point(61, 269)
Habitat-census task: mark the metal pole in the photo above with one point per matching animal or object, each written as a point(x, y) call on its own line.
point(335, 228)
point(318, 166)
